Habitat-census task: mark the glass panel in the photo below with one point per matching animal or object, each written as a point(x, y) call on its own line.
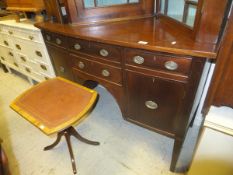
point(110, 2)
point(102, 3)
point(180, 10)
point(89, 3)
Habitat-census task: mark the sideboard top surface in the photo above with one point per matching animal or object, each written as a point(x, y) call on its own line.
point(159, 34)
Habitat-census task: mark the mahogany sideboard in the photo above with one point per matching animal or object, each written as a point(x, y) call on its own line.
point(154, 86)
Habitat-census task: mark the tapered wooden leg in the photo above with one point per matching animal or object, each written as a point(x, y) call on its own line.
point(175, 153)
point(67, 136)
point(74, 133)
point(59, 135)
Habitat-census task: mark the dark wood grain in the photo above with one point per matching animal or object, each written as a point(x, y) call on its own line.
point(160, 35)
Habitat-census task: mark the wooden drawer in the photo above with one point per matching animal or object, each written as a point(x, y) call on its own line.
point(100, 70)
point(105, 51)
point(28, 35)
point(155, 61)
point(56, 39)
point(78, 45)
point(153, 101)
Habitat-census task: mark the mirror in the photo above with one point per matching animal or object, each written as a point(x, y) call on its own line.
point(103, 3)
point(180, 10)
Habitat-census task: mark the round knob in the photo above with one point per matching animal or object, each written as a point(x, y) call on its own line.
point(138, 60)
point(77, 46)
point(104, 52)
point(48, 37)
point(58, 41)
point(81, 65)
point(171, 65)
point(151, 105)
point(105, 73)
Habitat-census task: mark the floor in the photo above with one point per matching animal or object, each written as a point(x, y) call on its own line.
point(126, 149)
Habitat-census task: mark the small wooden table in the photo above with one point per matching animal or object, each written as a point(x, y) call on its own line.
point(54, 106)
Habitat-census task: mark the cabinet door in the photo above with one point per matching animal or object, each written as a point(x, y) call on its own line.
point(61, 62)
point(154, 102)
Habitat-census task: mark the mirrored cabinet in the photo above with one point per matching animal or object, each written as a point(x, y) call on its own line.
point(183, 11)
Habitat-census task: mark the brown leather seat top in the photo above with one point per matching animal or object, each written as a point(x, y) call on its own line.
point(56, 103)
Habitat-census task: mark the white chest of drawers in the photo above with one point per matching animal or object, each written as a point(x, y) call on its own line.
point(22, 48)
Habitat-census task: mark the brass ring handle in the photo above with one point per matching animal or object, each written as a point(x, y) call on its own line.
point(151, 105)
point(28, 70)
point(11, 54)
point(104, 52)
point(6, 43)
point(10, 32)
point(171, 65)
point(43, 67)
point(138, 59)
point(81, 65)
point(77, 46)
point(16, 64)
point(58, 41)
point(3, 58)
point(18, 46)
point(23, 59)
point(31, 37)
point(38, 53)
point(105, 73)
point(62, 69)
point(48, 37)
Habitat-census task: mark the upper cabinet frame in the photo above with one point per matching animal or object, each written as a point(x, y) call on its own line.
point(79, 14)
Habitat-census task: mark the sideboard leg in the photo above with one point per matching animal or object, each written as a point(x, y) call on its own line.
point(175, 153)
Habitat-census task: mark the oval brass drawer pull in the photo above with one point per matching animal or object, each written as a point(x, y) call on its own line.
point(43, 67)
point(3, 58)
point(6, 43)
point(38, 53)
point(105, 73)
point(58, 41)
point(151, 105)
point(31, 37)
point(81, 65)
point(171, 65)
point(18, 47)
point(10, 32)
point(48, 38)
point(138, 60)
point(23, 59)
point(77, 46)
point(104, 53)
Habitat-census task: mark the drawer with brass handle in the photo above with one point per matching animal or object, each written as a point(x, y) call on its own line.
point(78, 45)
point(105, 51)
point(97, 69)
point(18, 46)
point(141, 58)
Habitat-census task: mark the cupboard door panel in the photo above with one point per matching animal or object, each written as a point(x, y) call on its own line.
point(153, 101)
point(60, 59)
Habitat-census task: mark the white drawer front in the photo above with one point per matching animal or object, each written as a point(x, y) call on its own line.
point(44, 68)
point(6, 41)
point(34, 36)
